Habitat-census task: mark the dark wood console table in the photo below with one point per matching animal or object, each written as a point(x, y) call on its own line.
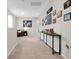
point(21, 33)
point(53, 35)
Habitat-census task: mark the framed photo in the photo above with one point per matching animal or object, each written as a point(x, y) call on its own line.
point(67, 4)
point(27, 23)
point(54, 20)
point(67, 16)
point(43, 22)
point(48, 19)
point(49, 10)
point(59, 14)
point(54, 12)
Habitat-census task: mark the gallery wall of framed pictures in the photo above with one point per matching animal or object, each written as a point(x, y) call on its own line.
point(58, 14)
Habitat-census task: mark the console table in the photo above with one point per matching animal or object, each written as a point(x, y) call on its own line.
point(21, 33)
point(53, 35)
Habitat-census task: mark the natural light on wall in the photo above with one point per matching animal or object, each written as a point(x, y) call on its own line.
point(10, 21)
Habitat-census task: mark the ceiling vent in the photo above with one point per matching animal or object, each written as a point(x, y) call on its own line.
point(35, 3)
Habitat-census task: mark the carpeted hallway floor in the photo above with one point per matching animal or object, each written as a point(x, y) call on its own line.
point(32, 48)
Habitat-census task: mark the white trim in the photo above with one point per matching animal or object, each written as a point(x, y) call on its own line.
point(11, 50)
point(64, 56)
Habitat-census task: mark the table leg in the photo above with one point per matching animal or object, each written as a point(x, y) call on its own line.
point(59, 45)
point(43, 36)
point(46, 39)
point(52, 44)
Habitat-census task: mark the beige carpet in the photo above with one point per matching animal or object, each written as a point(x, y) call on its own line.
point(32, 48)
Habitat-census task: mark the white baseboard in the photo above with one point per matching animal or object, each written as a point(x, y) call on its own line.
point(64, 56)
point(11, 50)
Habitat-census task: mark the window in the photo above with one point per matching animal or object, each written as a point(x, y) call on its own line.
point(10, 21)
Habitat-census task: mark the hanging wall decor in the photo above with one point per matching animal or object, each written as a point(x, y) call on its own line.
point(54, 20)
point(43, 22)
point(67, 16)
point(54, 12)
point(27, 23)
point(67, 4)
point(59, 14)
point(48, 19)
point(49, 10)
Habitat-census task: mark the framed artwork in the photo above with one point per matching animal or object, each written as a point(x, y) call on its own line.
point(67, 16)
point(27, 23)
point(48, 19)
point(59, 14)
point(67, 4)
point(43, 22)
point(49, 10)
point(54, 20)
point(54, 12)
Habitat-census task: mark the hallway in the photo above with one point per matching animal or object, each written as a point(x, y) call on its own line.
point(32, 48)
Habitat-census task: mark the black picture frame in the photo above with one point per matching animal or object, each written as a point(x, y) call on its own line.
point(48, 19)
point(67, 16)
point(27, 23)
point(49, 10)
point(67, 4)
point(54, 20)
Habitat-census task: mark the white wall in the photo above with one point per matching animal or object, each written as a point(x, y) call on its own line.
point(61, 27)
point(11, 36)
point(32, 31)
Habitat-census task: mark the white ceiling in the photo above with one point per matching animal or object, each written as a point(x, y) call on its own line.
point(26, 8)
